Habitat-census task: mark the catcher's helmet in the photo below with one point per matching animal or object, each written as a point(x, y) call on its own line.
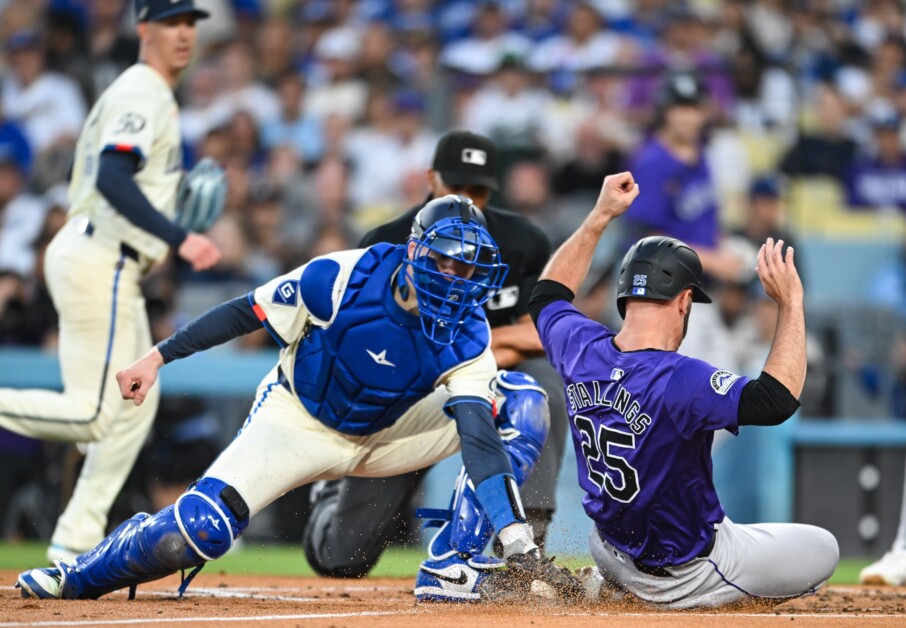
point(452, 227)
point(660, 268)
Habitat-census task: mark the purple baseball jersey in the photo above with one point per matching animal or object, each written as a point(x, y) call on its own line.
point(676, 199)
point(871, 183)
point(642, 424)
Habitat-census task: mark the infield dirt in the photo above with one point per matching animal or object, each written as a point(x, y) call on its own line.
point(215, 600)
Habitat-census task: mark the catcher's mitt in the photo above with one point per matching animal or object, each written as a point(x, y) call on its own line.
point(515, 583)
point(201, 196)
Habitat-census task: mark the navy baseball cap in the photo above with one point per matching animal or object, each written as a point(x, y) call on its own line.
point(157, 10)
point(767, 186)
point(464, 158)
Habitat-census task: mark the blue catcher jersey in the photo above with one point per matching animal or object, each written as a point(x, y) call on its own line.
point(642, 424)
point(357, 360)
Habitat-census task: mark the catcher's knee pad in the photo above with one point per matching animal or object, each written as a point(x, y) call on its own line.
point(523, 420)
point(201, 526)
point(211, 515)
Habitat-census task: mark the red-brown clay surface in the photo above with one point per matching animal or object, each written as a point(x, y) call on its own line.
point(218, 600)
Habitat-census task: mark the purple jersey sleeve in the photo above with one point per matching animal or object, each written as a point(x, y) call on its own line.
point(702, 398)
point(564, 332)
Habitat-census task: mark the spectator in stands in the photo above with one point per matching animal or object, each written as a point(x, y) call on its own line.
point(112, 48)
point(67, 47)
point(526, 189)
point(683, 46)
point(766, 214)
point(246, 150)
point(490, 42)
point(21, 213)
point(584, 44)
point(262, 224)
point(765, 93)
point(679, 199)
point(49, 106)
point(240, 87)
point(542, 19)
point(393, 144)
point(827, 150)
point(595, 157)
point(294, 128)
point(877, 178)
point(376, 65)
point(507, 108)
point(275, 48)
point(340, 92)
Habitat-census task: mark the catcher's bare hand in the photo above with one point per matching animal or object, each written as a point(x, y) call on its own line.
point(136, 380)
point(199, 251)
point(778, 275)
point(617, 194)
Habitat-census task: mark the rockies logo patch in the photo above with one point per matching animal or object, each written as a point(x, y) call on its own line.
point(722, 381)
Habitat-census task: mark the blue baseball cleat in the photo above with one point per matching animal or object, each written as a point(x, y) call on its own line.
point(454, 578)
point(43, 583)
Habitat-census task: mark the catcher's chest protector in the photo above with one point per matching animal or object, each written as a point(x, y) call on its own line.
point(373, 362)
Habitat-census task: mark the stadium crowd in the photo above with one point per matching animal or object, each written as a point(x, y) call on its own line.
point(325, 114)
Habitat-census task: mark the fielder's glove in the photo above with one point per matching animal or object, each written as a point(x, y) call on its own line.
point(514, 584)
point(201, 196)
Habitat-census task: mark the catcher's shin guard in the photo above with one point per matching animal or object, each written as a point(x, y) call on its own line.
point(201, 526)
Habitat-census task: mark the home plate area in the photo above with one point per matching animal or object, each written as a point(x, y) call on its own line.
point(216, 600)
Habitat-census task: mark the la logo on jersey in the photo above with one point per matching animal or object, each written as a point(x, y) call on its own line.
point(722, 381)
point(287, 293)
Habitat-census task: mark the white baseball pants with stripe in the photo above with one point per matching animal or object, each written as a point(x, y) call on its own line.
point(768, 561)
point(103, 328)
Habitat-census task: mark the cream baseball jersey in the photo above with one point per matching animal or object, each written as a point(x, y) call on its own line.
point(137, 114)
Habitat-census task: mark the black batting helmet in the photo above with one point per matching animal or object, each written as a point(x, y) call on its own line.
point(660, 268)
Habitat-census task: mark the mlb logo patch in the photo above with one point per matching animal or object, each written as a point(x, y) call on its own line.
point(638, 292)
point(722, 381)
point(474, 156)
point(287, 293)
point(616, 374)
point(505, 298)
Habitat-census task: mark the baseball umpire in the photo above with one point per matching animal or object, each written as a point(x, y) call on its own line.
point(384, 368)
point(643, 419)
point(348, 528)
point(123, 195)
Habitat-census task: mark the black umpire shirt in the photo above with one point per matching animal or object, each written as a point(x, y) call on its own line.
point(523, 246)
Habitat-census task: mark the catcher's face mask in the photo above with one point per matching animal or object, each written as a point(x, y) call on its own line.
point(455, 267)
